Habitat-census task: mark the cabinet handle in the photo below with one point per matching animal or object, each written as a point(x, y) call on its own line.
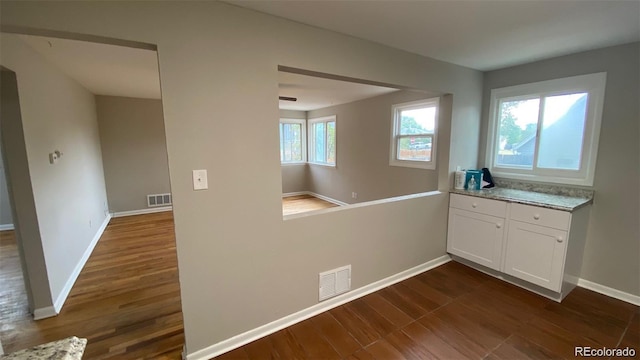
point(474, 205)
point(536, 216)
point(498, 225)
point(559, 239)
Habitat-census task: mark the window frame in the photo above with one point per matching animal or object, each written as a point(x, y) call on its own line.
point(396, 111)
point(593, 85)
point(311, 139)
point(303, 139)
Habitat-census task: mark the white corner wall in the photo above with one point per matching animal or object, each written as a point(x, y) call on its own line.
point(70, 197)
point(243, 266)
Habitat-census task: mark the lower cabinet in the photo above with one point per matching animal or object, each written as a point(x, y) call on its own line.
point(476, 237)
point(541, 246)
point(536, 254)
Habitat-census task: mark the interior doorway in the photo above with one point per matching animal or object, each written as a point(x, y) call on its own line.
point(16, 301)
point(105, 153)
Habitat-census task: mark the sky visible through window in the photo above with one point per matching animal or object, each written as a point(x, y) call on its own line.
point(526, 112)
point(425, 117)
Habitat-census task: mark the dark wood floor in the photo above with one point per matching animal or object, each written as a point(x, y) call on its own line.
point(454, 312)
point(126, 301)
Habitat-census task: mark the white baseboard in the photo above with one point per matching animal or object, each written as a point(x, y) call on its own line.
point(6, 227)
point(45, 312)
point(605, 290)
point(325, 198)
point(295, 193)
point(270, 328)
point(142, 211)
point(62, 297)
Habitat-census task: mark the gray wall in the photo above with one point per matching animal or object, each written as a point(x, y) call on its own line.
point(362, 153)
point(294, 176)
point(5, 205)
point(218, 67)
point(612, 254)
point(28, 237)
point(134, 150)
point(70, 197)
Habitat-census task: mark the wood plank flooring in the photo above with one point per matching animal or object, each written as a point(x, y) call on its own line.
point(126, 301)
point(303, 203)
point(454, 312)
point(13, 296)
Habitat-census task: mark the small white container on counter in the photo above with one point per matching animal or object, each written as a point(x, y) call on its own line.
point(459, 179)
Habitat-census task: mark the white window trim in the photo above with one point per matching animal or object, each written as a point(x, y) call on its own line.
point(324, 119)
point(594, 85)
point(303, 135)
point(395, 129)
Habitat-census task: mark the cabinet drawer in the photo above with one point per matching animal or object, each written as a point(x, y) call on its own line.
point(541, 216)
point(479, 205)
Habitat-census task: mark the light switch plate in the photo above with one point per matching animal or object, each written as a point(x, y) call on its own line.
point(53, 158)
point(200, 180)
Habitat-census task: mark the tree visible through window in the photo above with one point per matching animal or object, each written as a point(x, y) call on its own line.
point(561, 131)
point(322, 137)
point(414, 126)
point(547, 131)
point(292, 141)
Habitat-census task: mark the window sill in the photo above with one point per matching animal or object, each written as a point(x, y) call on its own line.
point(413, 164)
point(543, 179)
point(321, 164)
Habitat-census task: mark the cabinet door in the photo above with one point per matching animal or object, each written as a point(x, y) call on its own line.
point(476, 237)
point(536, 254)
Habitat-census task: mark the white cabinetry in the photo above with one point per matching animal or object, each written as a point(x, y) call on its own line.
point(537, 245)
point(541, 246)
point(475, 235)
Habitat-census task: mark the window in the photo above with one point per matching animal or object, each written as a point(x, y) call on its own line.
point(413, 135)
point(547, 131)
point(322, 141)
point(292, 141)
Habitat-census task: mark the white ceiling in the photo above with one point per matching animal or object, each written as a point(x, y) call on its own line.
point(123, 71)
point(317, 93)
point(103, 69)
point(480, 34)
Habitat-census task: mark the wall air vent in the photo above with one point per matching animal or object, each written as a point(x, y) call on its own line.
point(334, 282)
point(156, 200)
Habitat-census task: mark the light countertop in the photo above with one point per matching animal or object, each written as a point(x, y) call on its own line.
point(551, 201)
point(66, 349)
